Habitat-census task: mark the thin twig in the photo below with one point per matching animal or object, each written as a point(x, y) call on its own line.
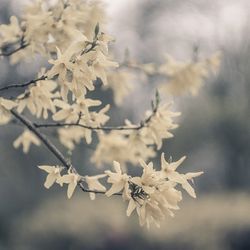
point(105, 128)
point(12, 86)
point(22, 46)
point(79, 118)
point(87, 50)
point(96, 192)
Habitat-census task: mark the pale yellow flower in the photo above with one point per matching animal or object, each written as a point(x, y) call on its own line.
point(66, 112)
point(103, 41)
point(184, 77)
point(70, 113)
point(120, 82)
point(100, 63)
point(5, 106)
point(53, 174)
point(111, 146)
point(26, 139)
point(159, 126)
point(39, 99)
point(150, 177)
point(187, 76)
point(82, 78)
point(100, 118)
point(154, 195)
point(72, 180)
point(61, 65)
point(10, 33)
point(117, 179)
point(94, 184)
point(71, 136)
point(214, 62)
point(169, 171)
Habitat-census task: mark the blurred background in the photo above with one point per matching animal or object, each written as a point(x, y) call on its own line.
point(214, 133)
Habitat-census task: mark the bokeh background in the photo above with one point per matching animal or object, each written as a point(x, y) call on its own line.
point(214, 133)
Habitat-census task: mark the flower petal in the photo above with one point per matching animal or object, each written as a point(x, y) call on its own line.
point(51, 178)
point(131, 207)
point(71, 189)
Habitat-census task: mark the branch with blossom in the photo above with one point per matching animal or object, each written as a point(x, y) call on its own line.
point(70, 35)
point(142, 192)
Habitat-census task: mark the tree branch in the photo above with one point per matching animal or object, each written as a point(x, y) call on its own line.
point(12, 86)
point(7, 54)
point(42, 137)
point(105, 128)
point(53, 149)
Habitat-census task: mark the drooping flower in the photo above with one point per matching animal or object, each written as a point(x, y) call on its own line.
point(71, 136)
point(154, 194)
point(70, 113)
point(189, 76)
point(5, 107)
point(10, 33)
point(117, 179)
point(100, 63)
point(53, 174)
point(111, 146)
point(72, 180)
point(120, 82)
point(169, 171)
point(94, 184)
point(82, 77)
point(38, 98)
point(159, 126)
point(26, 139)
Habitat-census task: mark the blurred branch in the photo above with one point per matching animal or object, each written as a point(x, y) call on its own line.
point(22, 45)
point(7, 54)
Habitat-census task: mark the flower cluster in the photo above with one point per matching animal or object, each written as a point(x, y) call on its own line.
point(70, 35)
point(79, 114)
point(130, 145)
point(80, 65)
point(179, 77)
point(189, 76)
point(38, 98)
point(155, 193)
point(46, 25)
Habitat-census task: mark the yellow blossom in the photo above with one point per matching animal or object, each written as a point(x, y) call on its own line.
point(26, 139)
point(72, 180)
point(53, 174)
point(5, 106)
point(117, 179)
point(94, 184)
point(169, 171)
